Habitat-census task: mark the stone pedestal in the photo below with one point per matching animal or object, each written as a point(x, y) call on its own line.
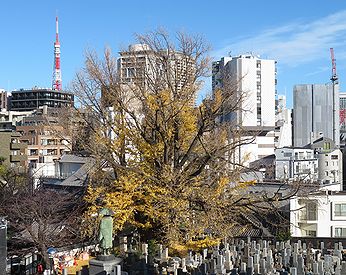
point(105, 265)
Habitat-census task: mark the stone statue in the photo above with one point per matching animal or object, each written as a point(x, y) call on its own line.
point(106, 231)
point(105, 263)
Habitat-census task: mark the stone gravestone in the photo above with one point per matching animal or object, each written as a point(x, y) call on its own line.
point(3, 245)
point(105, 264)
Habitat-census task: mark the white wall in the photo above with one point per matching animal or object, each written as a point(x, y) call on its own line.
point(246, 69)
point(260, 147)
point(268, 92)
point(284, 134)
point(326, 220)
point(247, 85)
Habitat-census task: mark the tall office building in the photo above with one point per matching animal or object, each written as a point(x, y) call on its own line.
point(316, 113)
point(255, 80)
point(144, 67)
point(29, 100)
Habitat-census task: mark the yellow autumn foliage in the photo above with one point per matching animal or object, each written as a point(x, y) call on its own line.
point(168, 165)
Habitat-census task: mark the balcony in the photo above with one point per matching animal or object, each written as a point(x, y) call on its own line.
point(310, 216)
point(18, 146)
point(18, 158)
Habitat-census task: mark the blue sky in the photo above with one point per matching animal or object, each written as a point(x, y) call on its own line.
point(298, 34)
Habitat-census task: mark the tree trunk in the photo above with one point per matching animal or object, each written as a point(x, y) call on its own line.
point(45, 256)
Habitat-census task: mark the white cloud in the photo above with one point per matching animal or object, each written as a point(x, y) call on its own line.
point(295, 43)
point(319, 70)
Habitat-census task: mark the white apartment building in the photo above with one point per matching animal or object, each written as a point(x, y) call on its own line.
point(255, 80)
point(319, 215)
point(296, 164)
point(321, 163)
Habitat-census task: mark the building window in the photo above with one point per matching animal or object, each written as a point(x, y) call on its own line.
point(297, 168)
point(310, 233)
point(259, 110)
point(309, 213)
point(326, 146)
point(130, 72)
point(340, 210)
point(340, 232)
point(326, 163)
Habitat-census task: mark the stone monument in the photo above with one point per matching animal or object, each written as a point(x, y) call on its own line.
point(105, 263)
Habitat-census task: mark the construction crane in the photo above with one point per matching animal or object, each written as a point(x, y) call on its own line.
point(334, 80)
point(334, 77)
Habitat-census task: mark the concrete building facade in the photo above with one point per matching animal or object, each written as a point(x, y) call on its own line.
point(254, 79)
point(142, 70)
point(10, 119)
point(143, 67)
point(44, 144)
point(12, 150)
point(316, 113)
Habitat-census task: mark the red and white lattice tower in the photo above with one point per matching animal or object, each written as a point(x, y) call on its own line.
point(57, 70)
